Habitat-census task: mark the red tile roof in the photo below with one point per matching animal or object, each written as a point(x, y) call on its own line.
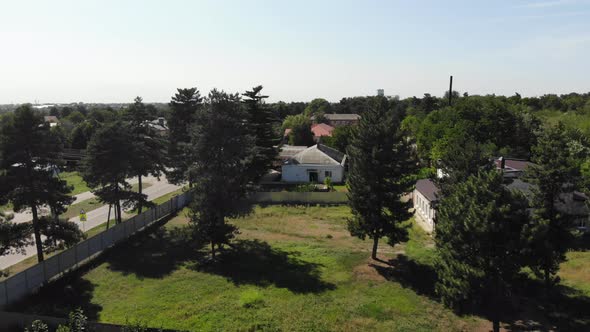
point(321, 129)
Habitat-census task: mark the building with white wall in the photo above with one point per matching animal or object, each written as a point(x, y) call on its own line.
point(424, 198)
point(314, 165)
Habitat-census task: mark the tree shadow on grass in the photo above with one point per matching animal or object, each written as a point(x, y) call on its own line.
point(257, 263)
point(407, 272)
point(155, 255)
point(61, 297)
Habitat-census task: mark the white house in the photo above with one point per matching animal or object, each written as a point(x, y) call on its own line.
point(424, 198)
point(314, 164)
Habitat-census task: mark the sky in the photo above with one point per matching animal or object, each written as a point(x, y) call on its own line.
point(113, 50)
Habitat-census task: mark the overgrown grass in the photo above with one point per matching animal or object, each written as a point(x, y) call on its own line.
point(291, 268)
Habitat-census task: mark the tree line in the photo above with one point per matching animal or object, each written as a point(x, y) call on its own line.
point(220, 145)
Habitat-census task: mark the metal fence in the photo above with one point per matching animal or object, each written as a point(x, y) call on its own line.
point(28, 281)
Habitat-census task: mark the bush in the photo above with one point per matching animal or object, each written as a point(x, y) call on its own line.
point(251, 298)
point(38, 326)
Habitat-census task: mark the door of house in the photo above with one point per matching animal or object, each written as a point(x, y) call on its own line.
point(313, 177)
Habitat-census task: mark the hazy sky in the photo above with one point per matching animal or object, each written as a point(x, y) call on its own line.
point(112, 51)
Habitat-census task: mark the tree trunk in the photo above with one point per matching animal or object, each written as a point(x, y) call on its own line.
point(139, 189)
point(56, 220)
point(375, 244)
point(119, 218)
point(37, 232)
point(213, 250)
point(109, 216)
point(496, 323)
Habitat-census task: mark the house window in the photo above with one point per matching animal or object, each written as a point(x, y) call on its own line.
point(328, 174)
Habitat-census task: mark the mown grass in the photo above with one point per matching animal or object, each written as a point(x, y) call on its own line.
point(290, 269)
point(75, 179)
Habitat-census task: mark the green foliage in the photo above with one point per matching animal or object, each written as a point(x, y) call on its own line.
point(300, 126)
point(28, 150)
point(59, 233)
point(107, 168)
point(303, 188)
point(328, 183)
point(340, 138)
point(553, 173)
point(14, 237)
point(380, 164)
point(479, 241)
point(317, 106)
point(262, 122)
point(222, 148)
point(147, 157)
point(38, 326)
point(184, 106)
point(77, 321)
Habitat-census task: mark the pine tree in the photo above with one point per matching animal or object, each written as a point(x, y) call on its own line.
point(14, 237)
point(262, 122)
point(107, 167)
point(222, 147)
point(29, 153)
point(554, 173)
point(379, 175)
point(478, 240)
point(148, 147)
point(185, 105)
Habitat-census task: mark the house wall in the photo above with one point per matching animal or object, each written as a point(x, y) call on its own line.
point(300, 173)
point(424, 211)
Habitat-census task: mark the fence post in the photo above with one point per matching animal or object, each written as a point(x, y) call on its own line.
point(5, 292)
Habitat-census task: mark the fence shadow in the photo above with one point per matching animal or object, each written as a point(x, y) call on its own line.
point(257, 263)
point(61, 297)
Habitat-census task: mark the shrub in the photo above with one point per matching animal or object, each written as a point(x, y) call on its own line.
point(38, 326)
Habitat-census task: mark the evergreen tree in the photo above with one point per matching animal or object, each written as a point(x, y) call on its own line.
point(29, 153)
point(184, 106)
point(379, 175)
point(148, 147)
point(107, 166)
point(13, 237)
point(478, 240)
point(262, 121)
point(222, 147)
point(554, 173)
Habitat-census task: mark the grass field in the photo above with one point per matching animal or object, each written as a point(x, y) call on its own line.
point(290, 269)
point(74, 179)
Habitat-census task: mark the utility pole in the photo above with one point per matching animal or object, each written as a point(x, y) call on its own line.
point(451, 91)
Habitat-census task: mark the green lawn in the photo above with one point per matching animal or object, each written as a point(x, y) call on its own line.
point(290, 269)
point(74, 179)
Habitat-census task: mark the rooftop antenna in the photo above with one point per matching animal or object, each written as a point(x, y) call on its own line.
point(451, 91)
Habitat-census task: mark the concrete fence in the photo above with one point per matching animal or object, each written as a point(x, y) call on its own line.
point(287, 197)
point(28, 281)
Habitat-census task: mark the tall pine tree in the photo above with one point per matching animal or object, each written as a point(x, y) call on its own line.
point(222, 146)
point(30, 153)
point(148, 147)
point(554, 173)
point(380, 168)
point(107, 167)
point(263, 126)
point(185, 105)
point(478, 239)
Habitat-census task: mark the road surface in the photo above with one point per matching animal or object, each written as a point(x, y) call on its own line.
point(95, 217)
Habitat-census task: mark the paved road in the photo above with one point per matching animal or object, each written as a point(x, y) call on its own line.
point(95, 217)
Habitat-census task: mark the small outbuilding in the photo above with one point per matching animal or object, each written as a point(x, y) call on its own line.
point(314, 165)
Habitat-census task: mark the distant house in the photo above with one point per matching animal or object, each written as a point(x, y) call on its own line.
point(338, 120)
point(425, 198)
point(52, 120)
point(320, 130)
point(425, 195)
point(314, 164)
point(160, 125)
